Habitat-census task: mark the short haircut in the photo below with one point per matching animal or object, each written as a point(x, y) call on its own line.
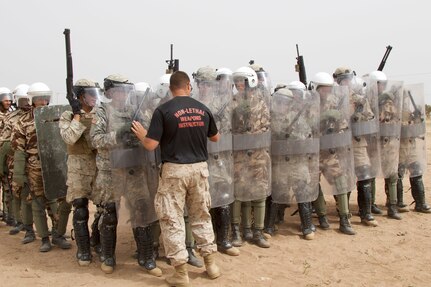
point(178, 80)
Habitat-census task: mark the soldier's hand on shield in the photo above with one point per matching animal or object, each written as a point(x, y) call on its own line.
point(139, 130)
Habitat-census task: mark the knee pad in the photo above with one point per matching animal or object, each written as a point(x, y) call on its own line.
point(80, 212)
point(110, 214)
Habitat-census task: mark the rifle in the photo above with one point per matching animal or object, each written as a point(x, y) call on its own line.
point(295, 119)
point(300, 67)
point(70, 96)
point(417, 114)
point(173, 64)
point(385, 57)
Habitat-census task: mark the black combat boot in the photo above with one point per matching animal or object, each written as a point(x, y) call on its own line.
point(222, 220)
point(144, 245)
point(374, 208)
point(364, 203)
point(307, 227)
point(29, 234)
point(391, 201)
point(193, 260)
point(345, 226)
point(270, 218)
point(82, 235)
point(418, 193)
point(19, 226)
point(402, 207)
point(236, 236)
point(108, 237)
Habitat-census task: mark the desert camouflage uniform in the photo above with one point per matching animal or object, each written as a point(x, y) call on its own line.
point(6, 193)
point(81, 161)
point(22, 209)
point(190, 182)
point(24, 140)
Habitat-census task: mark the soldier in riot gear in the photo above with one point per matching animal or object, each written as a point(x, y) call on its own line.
point(119, 162)
point(75, 129)
point(21, 206)
point(413, 148)
point(365, 138)
point(336, 157)
point(252, 161)
point(214, 89)
point(294, 155)
point(5, 109)
point(390, 95)
point(28, 165)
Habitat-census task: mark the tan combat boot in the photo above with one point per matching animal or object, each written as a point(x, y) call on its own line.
point(212, 269)
point(180, 277)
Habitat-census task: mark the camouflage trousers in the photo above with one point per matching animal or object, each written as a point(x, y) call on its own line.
point(81, 176)
point(183, 185)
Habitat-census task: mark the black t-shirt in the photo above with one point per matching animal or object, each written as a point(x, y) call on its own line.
point(182, 126)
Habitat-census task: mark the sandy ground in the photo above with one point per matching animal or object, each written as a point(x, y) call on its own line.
point(396, 253)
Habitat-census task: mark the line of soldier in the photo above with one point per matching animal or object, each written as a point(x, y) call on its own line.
point(273, 151)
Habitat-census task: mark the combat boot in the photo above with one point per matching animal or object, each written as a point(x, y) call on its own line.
point(60, 240)
point(323, 222)
point(213, 270)
point(17, 228)
point(193, 260)
point(418, 193)
point(259, 239)
point(29, 234)
point(46, 245)
point(374, 208)
point(236, 235)
point(222, 216)
point(402, 207)
point(247, 234)
point(10, 220)
point(180, 277)
point(306, 220)
point(391, 198)
point(108, 237)
point(345, 226)
point(364, 203)
point(144, 244)
point(272, 217)
point(80, 226)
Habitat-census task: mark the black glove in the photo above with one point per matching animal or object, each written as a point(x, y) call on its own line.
point(76, 106)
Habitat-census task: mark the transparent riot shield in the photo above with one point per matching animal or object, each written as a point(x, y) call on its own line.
point(336, 154)
point(365, 128)
point(390, 102)
point(217, 96)
point(251, 143)
point(294, 147)
point(413, 131)
point(52, 150)
point(134, 169)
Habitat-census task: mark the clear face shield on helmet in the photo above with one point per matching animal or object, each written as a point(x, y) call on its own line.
point(264, 80)
point(91, 96)
point(41, 100)
point(119, 93)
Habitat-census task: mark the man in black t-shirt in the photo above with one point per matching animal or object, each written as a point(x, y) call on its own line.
point(181, 126)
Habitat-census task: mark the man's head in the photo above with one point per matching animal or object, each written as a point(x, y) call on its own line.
point(179, 84)
point(343, 76)
point(380, 78)
point(323, 84)
point(88, 92)
point(40, 94)
point(20, 95)
point(117, 88)
point(205, 79)
point(245, 77)
point(5, 98)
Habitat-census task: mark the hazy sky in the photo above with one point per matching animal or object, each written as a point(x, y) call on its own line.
point(133, 37)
